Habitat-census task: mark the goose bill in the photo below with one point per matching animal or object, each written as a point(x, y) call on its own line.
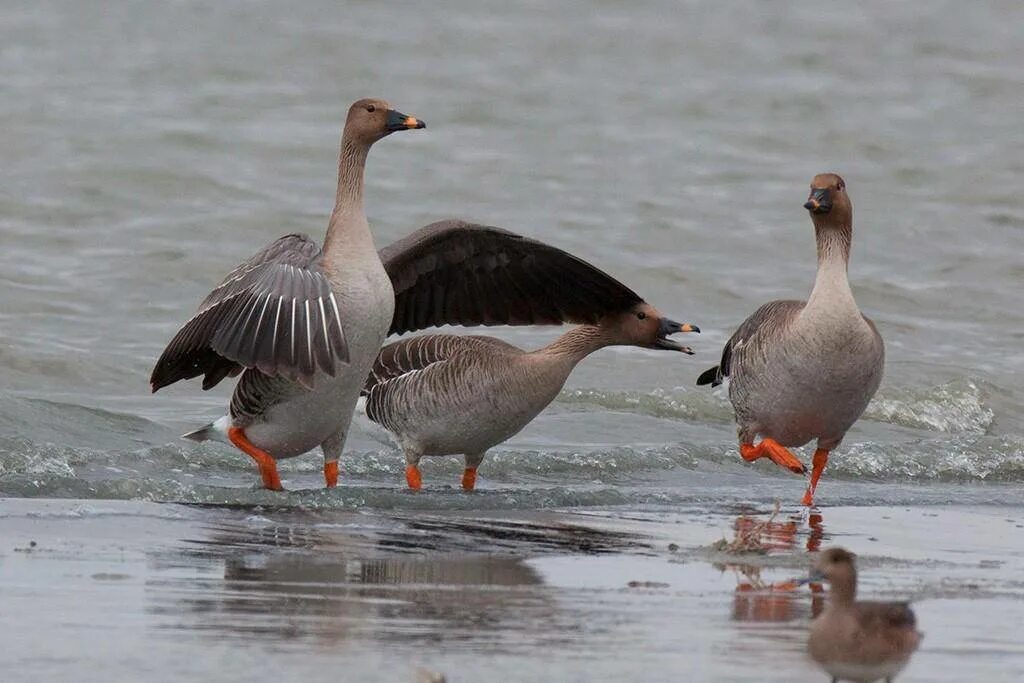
point(668, 327)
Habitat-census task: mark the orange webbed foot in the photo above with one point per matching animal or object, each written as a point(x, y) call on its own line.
point(266, 462)
point(776, 452)
point(413, 477)
point(469, 478)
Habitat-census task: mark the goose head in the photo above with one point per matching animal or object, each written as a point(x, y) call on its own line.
point(371, 119)
point(828, 202)
point(643, 325)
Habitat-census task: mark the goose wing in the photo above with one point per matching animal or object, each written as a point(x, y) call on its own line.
point(400, 362)
point(458, 273)
point(275, 312)
point(756, 330)
point(406, 356)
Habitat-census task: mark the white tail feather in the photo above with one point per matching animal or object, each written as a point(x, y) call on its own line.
point(215, 431)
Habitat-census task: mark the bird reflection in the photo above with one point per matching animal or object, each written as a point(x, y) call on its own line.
point(330, 583)
point(756, 600)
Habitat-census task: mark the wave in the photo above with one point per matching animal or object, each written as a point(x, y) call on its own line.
point(665, 475)
point(50, 449)
point(955, 407)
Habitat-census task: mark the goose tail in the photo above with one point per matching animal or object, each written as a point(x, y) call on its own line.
point(709, 376)
point(215, 431)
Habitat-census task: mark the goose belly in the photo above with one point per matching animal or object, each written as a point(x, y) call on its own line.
point(817, 393)
point(469, 419)
point(299, 419)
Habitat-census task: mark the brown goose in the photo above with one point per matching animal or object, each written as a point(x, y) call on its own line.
point(858, 641)
point(446, 394)
point(302, 324)
point(805, 370)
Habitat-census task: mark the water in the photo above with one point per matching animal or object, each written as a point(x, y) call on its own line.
point(147, 149)
point(673, 151)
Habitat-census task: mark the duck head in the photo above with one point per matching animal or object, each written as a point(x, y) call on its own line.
point(837, 566)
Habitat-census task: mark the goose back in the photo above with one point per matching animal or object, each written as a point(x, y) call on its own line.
point(447, 394)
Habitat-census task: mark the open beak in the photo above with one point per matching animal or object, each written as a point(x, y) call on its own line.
point(668, 327)
point(398, 121)
point(820, 201)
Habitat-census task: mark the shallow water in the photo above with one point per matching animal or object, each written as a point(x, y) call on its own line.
point(257, 594)
point(148, 148)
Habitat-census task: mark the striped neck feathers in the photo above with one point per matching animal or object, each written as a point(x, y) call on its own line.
point(580, 342)
point(348, 216)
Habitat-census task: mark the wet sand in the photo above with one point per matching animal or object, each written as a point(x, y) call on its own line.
point(123, 590)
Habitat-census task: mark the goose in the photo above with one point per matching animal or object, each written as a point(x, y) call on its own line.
point(301, 324)
point(853, 640)
point(443, 394)
point(803, 370)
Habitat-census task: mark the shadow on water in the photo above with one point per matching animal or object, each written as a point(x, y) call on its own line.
point(315, 576)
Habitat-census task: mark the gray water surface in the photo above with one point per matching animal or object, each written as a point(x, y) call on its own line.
point(148, 149)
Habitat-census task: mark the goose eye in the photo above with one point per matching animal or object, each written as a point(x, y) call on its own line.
point(641, 315)
point(370, 108)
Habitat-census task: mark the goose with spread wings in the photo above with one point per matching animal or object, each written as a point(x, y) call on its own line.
point(445, 394)
point(301, 324)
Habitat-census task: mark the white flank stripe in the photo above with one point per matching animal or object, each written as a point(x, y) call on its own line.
point(309, 333)
point(277, 319)
point(291, 358)
point(259, 323)
point(337, 316)
point(323, 321)
point(251, 305)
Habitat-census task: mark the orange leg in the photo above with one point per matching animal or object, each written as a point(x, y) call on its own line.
point(331, 473)
point(266, 463)
point(779, 454)
point(818, 466)
point(469, 478)
point(413, 477)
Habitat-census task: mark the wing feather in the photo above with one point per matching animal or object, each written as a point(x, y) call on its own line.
point(268, 313)
point(459, 273)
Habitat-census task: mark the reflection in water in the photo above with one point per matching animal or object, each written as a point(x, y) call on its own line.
point(756, 600)
point(413, 580)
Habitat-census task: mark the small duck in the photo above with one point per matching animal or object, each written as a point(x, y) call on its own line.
point(803, 370)
point(858, 641)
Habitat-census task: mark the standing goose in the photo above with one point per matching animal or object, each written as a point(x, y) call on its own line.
point(302, 324)
point(805, 370)
point(858, 641)
point(447, 394)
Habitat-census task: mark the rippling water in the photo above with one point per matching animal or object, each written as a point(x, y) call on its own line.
point(148, 148)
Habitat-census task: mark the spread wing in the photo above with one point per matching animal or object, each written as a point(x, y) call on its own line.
point(275, 312)
point(765, 321)
point(458, 273)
